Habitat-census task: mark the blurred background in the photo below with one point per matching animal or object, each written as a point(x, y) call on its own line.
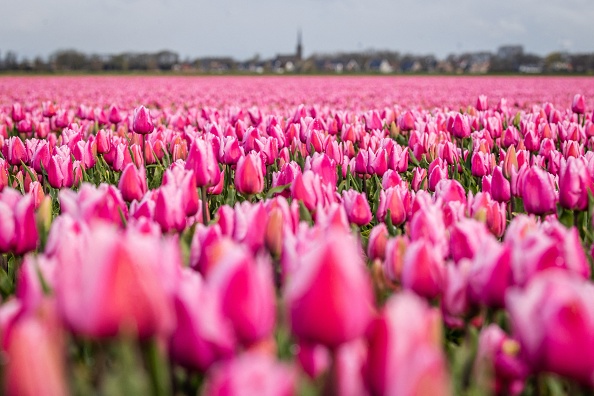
point(309, 36)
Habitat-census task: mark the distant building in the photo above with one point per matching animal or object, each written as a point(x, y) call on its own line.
point(510, 51)
point(289, 62)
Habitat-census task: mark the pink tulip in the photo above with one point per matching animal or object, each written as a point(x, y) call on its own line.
point(465, 238)
point(538, 192)
point(553, 320)
point(240, 278)
point(458, 126)
point(117, 286)
point(143, 122)
point(450, 190)
point(394, 258)
point(332, 267)
point(313, 359)
point(115, 116)
point(376, 245)
point(3, 174)
point(500, 187)
point(356, 207)
point(60, 170)
point(133, 183)
point(14, 151)
point(423, 269)
point(377, 163)
point(398, 201)
point(322, 165)
point(17, 113)
point(202, 336)
point(230, 152)
point(249, 176)
point(307, 187)
point(578, 105)
point(406, 121)
point(405, 353)
point(499, 357)
point(536, 250)
point(41, 156)
point(437, 171)
point(103, 141)
point(104, 202)
point(575, 183)
point(202, 160)
point(481, 103)
point(491, 274)
point(170, 212)
point(481, 163)
point(34, 355)
point(185, 181)
point(252, 374)
point(18, 229)
point(419, 181)
point(456, 306)
point(249, 225)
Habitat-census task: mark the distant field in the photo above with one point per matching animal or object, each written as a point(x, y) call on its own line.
point(344, 92)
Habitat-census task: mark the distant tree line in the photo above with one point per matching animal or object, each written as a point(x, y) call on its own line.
point(507, 59)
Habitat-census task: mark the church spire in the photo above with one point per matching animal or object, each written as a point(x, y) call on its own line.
point(299, 53)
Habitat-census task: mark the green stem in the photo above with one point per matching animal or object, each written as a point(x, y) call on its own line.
point(158, 369)
point(204, 197)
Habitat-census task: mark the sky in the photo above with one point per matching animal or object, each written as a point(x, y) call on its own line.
point(243, 28)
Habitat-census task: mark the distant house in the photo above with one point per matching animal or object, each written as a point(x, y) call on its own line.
point(510, 51)
point(380, 65)
point(289, 62)
point(215, 65)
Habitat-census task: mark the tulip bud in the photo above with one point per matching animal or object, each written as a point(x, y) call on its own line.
point(538, 192)
point(423, 269)
point(249, 176)
point(202, 160)
point(143, 123)
point(356, 207)
point(133, 183)
point(578, 105)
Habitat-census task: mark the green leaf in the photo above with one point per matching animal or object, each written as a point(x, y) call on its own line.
point(278, 189)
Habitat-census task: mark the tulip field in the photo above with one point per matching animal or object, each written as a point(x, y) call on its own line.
point(296, 236)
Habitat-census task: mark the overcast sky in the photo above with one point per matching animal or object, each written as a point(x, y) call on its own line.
point(243, 28)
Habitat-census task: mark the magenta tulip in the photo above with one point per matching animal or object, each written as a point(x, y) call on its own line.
point(249, 175)
point(319, 292)
point(143, 122)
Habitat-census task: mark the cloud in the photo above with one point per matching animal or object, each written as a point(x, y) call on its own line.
point(240, 29)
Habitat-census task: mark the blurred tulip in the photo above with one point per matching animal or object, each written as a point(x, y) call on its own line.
point(238, 277)
point(553, 320)
point(252, 374)
point(578, 105)
point(499, 357)
point(202, 335)
point(117, 287)
point(332, 267)
point(423, 269)
point(376, 245)
point(405, 354)
point(575, 183)
point(34, 356)
point(18, 229)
